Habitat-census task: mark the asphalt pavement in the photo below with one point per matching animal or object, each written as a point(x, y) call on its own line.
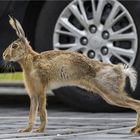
point(64, 123)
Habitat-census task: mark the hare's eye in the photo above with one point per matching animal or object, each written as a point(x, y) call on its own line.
point(14, 46)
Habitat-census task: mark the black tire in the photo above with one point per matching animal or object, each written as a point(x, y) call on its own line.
point(75, 97)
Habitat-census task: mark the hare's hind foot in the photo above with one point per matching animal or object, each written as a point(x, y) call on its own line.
point(135, 130)
point(41, 128)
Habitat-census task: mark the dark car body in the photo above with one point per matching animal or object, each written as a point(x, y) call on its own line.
point(38, 19)
point(25, 11)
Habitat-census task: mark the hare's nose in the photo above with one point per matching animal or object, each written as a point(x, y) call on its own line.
point(5, 56)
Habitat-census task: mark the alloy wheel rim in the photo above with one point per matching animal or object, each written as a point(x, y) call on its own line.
point(100, 29)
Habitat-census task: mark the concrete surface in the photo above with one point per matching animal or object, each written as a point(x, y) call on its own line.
point(65, 124)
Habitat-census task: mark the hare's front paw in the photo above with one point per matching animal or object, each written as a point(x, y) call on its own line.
point(27, 129)
point(39, 130)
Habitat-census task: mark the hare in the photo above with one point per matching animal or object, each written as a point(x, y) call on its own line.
point(53, 69)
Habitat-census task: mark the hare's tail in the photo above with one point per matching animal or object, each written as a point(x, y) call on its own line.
point(132, 74)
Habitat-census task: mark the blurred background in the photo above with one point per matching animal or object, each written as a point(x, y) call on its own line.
point(106, 30)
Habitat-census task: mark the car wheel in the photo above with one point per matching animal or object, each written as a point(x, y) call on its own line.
point(100, 29)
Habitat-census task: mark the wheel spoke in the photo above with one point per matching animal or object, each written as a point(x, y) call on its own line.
point(98, 13)
point(65, 33)
point(81, 6)
point(127, 36)
point(65, 23)
point(77, 48)
point(124, 29)
point(93, 9)
point(129, 53)
point(68, 46)
point(118, 18)
point(78, 16)
point(121, 59)
point(106, 59)
point(112, 15)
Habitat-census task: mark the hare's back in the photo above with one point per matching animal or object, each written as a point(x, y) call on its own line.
point(67, 58)
point(69, 61)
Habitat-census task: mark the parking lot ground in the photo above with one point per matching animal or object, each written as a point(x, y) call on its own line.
point(65, 124)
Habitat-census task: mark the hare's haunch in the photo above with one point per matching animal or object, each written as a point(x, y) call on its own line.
point(54, 69)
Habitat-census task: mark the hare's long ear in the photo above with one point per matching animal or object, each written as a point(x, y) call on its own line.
point(17, 27)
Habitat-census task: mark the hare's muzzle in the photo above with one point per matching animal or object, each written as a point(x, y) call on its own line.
point(6, 56)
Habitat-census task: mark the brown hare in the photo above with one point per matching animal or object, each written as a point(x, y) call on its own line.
point(54, 69)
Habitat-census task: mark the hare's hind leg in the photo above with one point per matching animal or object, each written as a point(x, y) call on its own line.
point(32, 113)
point(121, 99)
point(42, 112)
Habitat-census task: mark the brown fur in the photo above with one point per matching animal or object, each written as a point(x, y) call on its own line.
point(53, 69)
